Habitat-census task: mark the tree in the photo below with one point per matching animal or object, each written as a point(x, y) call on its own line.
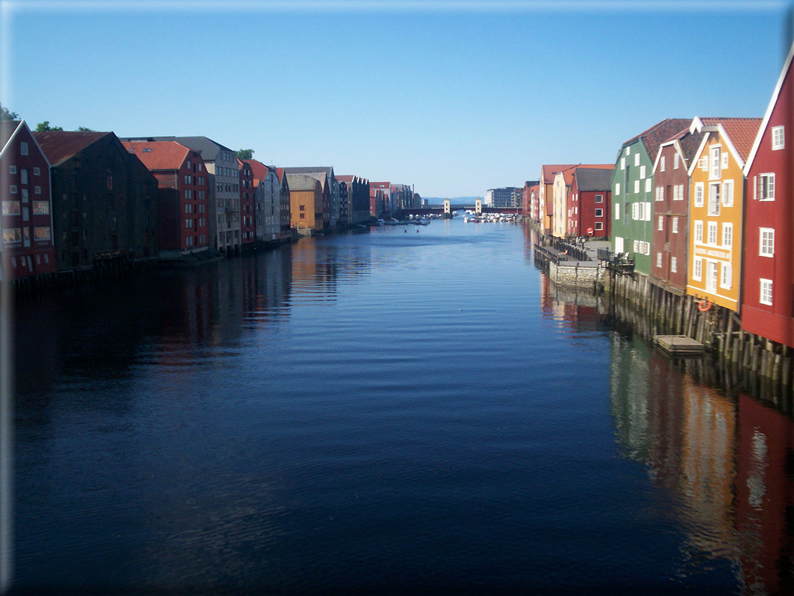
point(85, 129)
point(45, 126)
point(245, 154)
point(6, 115)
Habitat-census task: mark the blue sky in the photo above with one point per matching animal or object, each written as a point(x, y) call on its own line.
point(452, 97)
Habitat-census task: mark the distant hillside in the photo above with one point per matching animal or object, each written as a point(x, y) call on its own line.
point(453, 200)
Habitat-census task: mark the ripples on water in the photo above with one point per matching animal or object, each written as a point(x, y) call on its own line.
point(383, 412)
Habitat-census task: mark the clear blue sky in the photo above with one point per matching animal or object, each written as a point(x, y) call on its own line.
point(454, 98)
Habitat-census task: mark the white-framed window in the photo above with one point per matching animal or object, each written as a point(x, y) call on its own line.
point(676, 161)
point(660, 224)
point(617, 210)
point(628, 150)
point(658, 259)
point(660, 193)
point(712, 233)
point(188, 223)
point(636, 246)
point(727, 193)
point(675, 225)
point(37, 171)
point(599, 225)
point(618, 244)
point(598, 212)
point(12, 170)
point(727, 276)
point(11, 208)
point(766, 240)
point(778, 138)
point(725, 160)
point(727, 235)
point(699, 232)
point(699, 194)
point(765, 187)
point(714, 156)
point(714, 198)
point(636, 186)
point(661, 164)
point(13, 189)
point(599, 198)
point(673, 265)
point(704, 163)
point(37, 190)
point(41, 234)
point(41, 208)
point(711, 276)
point(636, 159)
point(697, 269)
point(642, 171)
point(648, 187)
point(648, 211)
point(678, 192)
point(623, 163)
point(617, 188)
point(23, 148)
point(766, 291)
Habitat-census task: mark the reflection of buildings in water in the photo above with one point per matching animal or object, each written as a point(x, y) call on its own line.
point(765, 498)
point(267, 282)
point(630, 396)
point(531, 239)
point(318, 265)
point(576, 310)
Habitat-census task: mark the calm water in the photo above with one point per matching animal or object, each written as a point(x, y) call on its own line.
point(393, 412)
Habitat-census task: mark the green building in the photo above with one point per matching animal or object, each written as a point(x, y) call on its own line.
point(633, 192)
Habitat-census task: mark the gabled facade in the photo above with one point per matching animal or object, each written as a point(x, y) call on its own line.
point(670, 244)
point(357, 197)
point(106, 200)
point(284, 196)
point(267, 201)
point(546, 196)
point(767, 308)
point(589, 202)
point(560, 190)
point(26, 220)
point(183, 197)
point(632, 192)
point(308, 203)
point(715, 210)
point(247, 213)
point(326, 176)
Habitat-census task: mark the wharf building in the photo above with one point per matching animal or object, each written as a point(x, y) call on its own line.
point(26, 222)
point(308, 204)
point(588, 211)
point(183, 196)
point(546, 195)
point(325, 174)
point(287, 232)
point(267, 201)
point(383, 200)
point(247, 214)
point(105, 207)
point(221, 162)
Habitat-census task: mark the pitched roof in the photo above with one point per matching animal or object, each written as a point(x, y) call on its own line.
point(204, 145)
point(302, 182)
point(7, 130)
point(549, 171)
point(588, 179)
point(328, 170)
point(60, 145)
point(740, 131)
point(347, 179)
point(258, 169)
point(158, 155)
point(659, 133)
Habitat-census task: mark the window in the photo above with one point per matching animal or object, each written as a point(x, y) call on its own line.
point(636, 246)
point(599, 198)
point(41, 234)
point(699, 231)
point(675, 225)
point(699, 194)
point(648, 186)
point(617, 210)
point(659, 193)
point(727, 193)
point(704, 163)
point(660, 225)
point(303, 216)
point(697, 270)
point(673, 265)
point(727, 276)
point(41, 208)
point(714, 198)
point(764, 187)
point(766, 291)
point(23, 176)
point(725, 160)
point(10, 208)
point(12, 236)
point(712, 232)
point(23, 148)
point(12, 169)
point(617, 188)
point(13, 189)
point(661, 164)
point(599, 225)
point(658, 259)
point(676, 161)
point(642, 171)
point(622, 163)
point(678, 192)
point(727, 235)
point(636, 186)
point(766, 238)
point(599, 213)
point(636, 159)
point(778, 138)
point(648, 212)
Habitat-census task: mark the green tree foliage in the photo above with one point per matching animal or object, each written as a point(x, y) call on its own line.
point(45, 126)
point(6, 115)
point(85, 129)
point(245, 154)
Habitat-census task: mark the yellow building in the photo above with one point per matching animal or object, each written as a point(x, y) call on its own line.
point(715, 208)
point(306, 204)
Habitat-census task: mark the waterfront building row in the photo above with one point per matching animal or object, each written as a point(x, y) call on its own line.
point(700, 206)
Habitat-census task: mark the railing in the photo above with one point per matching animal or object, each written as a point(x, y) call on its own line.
point(621, 263)
point(576, 251)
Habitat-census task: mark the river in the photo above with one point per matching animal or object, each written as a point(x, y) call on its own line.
point(414, 409)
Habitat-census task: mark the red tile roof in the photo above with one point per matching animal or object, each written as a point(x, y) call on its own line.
point(659, 133)
point(347, 179)
point(60, 145)
point(551, 170)
point(258, 169)
point(158, 155)
point(740, 131)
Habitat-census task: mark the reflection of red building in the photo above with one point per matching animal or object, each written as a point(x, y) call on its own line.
point(765, 497)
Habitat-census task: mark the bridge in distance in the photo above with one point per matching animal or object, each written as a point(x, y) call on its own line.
point(431, 209)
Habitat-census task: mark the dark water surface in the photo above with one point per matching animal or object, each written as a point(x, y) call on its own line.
point(393, 412)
